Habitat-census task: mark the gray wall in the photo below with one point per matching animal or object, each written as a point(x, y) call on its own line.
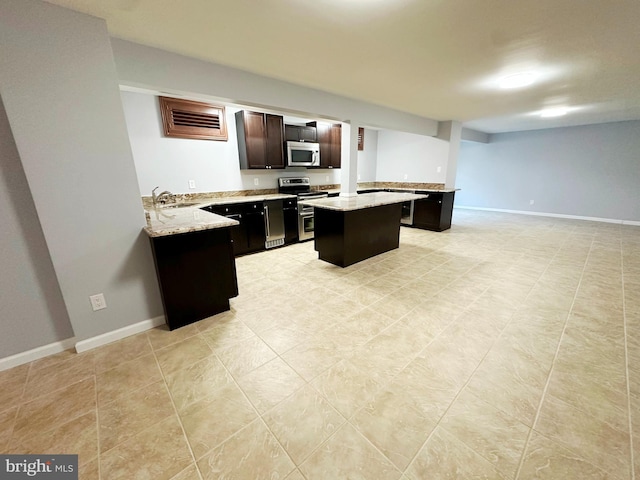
point(589, 171)
point(60, 91)
point(158, 70)
point(416, 156)
point(33, 312)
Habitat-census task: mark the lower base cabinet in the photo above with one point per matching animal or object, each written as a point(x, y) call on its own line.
point(433, 213)
point(197, 274)
point(290, 211)
point(249, 236)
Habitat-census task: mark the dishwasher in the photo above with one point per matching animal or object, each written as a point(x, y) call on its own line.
point(273, 223)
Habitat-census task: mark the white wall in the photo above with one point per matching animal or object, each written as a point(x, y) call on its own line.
point(589, 171)
point(171, 162)
point(417, 157)
point(33, 312)
point(60, 91)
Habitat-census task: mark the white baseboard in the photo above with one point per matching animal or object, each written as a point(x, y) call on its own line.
point(99, 340)
point(555, 215)
point(81, 346)
point(36, 353)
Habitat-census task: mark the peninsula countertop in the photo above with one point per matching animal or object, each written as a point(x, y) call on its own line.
point(186, 217)
point(361, 201)
point(164, 221)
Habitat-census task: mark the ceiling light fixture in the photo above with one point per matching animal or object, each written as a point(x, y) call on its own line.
point(554, 112)
point(517, 80)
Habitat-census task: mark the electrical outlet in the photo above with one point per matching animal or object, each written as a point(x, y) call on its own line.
point(192, 184)
point(98, 302)
point(531, 202)
point(256, 181)
point(439, 169)
point(359, 177)
point(406, 176)
point(326, 178)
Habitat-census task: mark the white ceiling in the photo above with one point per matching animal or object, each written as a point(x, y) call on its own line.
point(440, 59)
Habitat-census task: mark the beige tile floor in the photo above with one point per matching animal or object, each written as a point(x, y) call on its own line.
point(506, 347)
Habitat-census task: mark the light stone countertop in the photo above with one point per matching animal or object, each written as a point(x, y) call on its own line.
point(361, 201)
point(428, 190)
point(247, 199)
point(172, 219)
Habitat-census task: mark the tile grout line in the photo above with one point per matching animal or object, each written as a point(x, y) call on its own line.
point(553, 362)
point(461, 388)
point(470, 376)
point(175, 409)
point(626, 364)
point(469, 380)
point(97, 426)
point(246, 397)
point(347, 419)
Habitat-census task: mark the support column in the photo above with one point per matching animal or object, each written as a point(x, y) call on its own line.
point(349, 167)
point(451, 131)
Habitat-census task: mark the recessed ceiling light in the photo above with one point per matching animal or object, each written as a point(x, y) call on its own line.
point(518, 80)
point(554, 112)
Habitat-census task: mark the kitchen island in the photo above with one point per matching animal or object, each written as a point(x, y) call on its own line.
point(351, 229)
point(194, 262)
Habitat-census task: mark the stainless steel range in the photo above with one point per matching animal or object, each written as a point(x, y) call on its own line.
point(301, 186)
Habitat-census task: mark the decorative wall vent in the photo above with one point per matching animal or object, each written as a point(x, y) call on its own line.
point(360, 138)
point(188, 119)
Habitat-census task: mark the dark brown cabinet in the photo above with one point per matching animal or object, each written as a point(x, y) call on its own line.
point(254, 223)
point(249, 236)
point(330, 140)
point(297, 133)
point(260, 140)
point(197, 274)
point(434, 213)
point(290, 211)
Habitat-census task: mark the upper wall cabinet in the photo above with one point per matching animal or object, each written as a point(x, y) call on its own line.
point(297, 133)
point(197, 120)
point(260, 140)
point(330, 140)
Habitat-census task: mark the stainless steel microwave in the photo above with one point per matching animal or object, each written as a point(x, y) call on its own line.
point(303, 154)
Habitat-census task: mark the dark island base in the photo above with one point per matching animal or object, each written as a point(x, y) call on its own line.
point(344, 238)
point(434, 213)
point(197, 274)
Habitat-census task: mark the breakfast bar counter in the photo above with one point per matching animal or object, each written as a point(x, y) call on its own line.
point(351, 229)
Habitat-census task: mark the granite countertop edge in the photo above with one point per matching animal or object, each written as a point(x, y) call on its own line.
point(361, 201)
point(400, 189)
point(173, 219)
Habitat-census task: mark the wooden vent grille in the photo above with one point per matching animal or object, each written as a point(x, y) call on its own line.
point(188, 119)
point(360, 138)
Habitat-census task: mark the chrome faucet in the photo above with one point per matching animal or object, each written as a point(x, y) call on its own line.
point(160, 198)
